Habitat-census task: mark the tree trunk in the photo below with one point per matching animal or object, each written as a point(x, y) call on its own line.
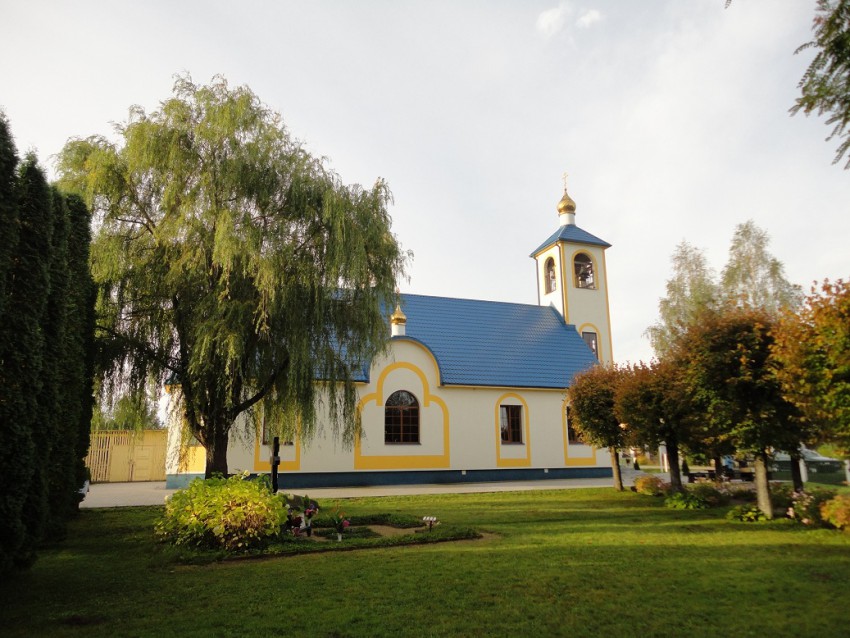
point(216, 446)
point(615, 467)
point(718, 467)
point(675, 471)
point(796, 472)
point(762, 486)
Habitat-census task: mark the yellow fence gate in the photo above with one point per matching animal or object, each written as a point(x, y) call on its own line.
point(117, 456)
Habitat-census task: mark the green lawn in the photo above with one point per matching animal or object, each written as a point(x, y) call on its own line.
point(567, 562)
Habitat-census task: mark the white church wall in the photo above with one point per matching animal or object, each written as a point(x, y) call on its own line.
point(459, 429)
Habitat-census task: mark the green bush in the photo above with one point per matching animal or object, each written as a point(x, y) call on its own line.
point(836, 512)
point(709, 493)
point(782, 495)
point(686, 501)
point(806, 506)
point(403, 521)
point(746, 513)
point(351, 532)
point(234, 514)
point(742, 493)
point(651, 485)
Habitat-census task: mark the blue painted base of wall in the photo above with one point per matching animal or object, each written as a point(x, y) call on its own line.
point(179, 481)
point(300, 480)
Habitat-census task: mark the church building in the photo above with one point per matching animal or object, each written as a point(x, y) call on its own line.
point(467, 391)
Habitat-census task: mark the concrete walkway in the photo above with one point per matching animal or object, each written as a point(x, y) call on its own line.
point(154, 493)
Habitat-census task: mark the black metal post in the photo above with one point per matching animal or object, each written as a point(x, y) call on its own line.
point(275, 461)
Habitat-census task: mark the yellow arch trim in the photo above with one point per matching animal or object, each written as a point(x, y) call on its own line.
point(582, 328)
point(408, 461)
point(418, 344)
point(576, 460)
point(526, 417)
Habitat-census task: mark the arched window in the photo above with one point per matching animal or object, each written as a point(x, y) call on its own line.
point(551, 282)
point(401, 418)
point(510, 422)
point(591, 341)
point(585, 277)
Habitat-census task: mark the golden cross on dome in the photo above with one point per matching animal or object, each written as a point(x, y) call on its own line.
point(565, 181)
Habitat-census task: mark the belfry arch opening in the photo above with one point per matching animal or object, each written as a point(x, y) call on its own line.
point(585, 277)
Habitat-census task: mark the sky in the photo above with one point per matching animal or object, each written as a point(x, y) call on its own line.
point(670, 117)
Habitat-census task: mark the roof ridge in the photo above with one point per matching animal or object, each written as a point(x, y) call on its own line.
point(487, 301)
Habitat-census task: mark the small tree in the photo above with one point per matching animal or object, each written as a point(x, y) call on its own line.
point(731, 377)
point(653, 400)
point(812, 350)
point(591, 396)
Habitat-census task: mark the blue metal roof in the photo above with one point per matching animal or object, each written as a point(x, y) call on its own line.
point(489, 343)
point(571, 233)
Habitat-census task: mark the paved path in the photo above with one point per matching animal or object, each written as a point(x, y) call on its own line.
point(154, 493)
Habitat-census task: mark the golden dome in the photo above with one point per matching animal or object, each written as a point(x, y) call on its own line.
point(398, 316)
point(566, 205)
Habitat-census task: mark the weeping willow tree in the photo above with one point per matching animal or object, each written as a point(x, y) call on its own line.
point(230, 260)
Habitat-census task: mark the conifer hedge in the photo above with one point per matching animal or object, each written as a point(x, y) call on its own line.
point(46, 354)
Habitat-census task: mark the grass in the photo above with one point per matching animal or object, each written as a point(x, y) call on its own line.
point(559, 563)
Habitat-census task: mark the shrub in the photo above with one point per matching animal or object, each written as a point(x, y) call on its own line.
point(651, 485)
point(351, 532)
point(709, 493)
point(806, 506)
point(746, 513)
point(686, 501)
point(234, 514)
point(782, 495)
point(742, 493)
point(836, 512)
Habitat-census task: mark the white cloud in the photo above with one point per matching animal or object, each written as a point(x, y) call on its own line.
point(552, 21)
point(588, 18)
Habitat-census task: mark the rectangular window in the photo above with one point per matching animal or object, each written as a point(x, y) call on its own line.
point(572, 436)
point(510, 421)
point(590, 340)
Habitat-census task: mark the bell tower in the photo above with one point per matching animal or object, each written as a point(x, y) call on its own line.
point(572, 278)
